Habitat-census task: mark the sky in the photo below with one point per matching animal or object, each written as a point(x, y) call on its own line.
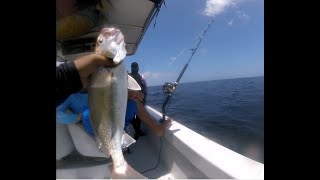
point(232, 48)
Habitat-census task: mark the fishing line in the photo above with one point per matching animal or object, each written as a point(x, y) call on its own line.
point(169, 88)
point(193, 41)
point(160, 147)
point(176, 57)
point(158, 158)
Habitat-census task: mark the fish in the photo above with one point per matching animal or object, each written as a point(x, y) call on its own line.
point(108, 96)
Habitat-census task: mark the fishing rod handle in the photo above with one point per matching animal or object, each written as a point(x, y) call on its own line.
point(164, 108)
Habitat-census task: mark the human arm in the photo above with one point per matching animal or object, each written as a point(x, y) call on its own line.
point(73, 76)
point(146, 118)
point(135, 95)
point(87, 65)
point(67, 81)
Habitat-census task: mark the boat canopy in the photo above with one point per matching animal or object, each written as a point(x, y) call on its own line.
point(132, 17)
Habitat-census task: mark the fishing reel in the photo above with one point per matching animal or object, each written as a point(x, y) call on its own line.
point(168, 88)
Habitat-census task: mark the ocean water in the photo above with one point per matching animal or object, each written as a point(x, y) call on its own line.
point(229, 112)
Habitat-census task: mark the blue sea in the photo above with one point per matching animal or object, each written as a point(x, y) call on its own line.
point(229, 112)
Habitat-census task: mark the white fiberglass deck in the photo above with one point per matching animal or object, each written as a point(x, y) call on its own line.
point(184, 154)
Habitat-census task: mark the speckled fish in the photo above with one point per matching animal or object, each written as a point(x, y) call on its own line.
point(108, 96)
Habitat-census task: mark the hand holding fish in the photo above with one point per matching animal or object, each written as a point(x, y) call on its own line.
point(108, 97)
point(87, 65)
point(73, 76)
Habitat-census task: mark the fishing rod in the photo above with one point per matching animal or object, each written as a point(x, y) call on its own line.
point(168, 88)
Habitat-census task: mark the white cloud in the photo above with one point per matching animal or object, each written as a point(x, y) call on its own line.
point(239, 17)
point(158, 78)
point(242, 15)
point(157, 75)
point(214, 7)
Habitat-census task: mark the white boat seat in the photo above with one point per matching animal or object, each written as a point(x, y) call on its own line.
point(84, 143)
point(64, 142)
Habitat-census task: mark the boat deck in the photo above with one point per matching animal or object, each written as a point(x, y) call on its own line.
point(142, 156)
point(184, 155)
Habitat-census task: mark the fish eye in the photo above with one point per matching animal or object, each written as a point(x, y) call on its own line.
point(100, 40)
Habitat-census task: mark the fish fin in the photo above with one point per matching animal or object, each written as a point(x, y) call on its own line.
point(132, 84)
point(126, 140)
